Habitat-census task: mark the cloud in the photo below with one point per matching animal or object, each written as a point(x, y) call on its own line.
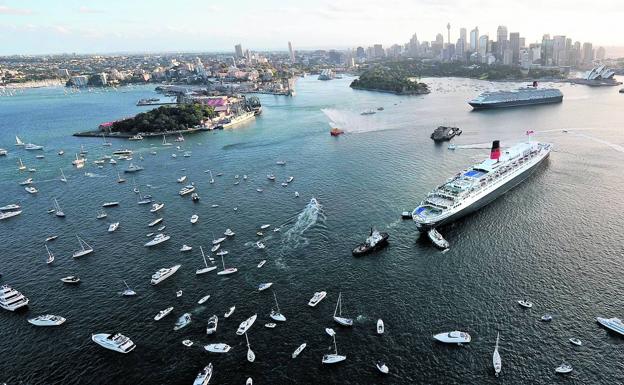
point(4, 10)
point(61, 29)
point(84, 9)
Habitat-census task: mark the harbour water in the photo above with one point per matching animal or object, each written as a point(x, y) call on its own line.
point(555, 240)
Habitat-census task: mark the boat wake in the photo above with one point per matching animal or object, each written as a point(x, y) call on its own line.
point(311, 214)
point(354, 123)
point(93, 175)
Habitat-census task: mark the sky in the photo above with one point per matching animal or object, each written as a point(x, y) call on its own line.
point(95, 26)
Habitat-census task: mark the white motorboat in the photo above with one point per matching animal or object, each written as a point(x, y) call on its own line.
point(110, 204)
point(251, 356)
point(563, 368)
point(380, 327)
point(229, 270)
point(246, 324)
point(31, 190)
point(26, 182)
point(203, 378)
point(71, 279)
point(12, 206)
point(154, 222)
point(213, 321)
point(276, 314)
point(576, 341)
point(156, 207)
point(186, 190)
point(50, 258)
point(163, 274)
point(195, 197)
point(496, 359)
point(260, 245)
point(218, 348)
point(3, 152)
point(296, 194)
point(277, 229)
point(128, 292)
point(187, 343)
point(185, 248)
point(133, 168)
point(284, 184)
point(179, 293)
point(259, 190)
point(525, 303)
point(215, 247)
point(158, 239)
point(271, 177)
point(84, 249)
point(382, 367)
point(101, 214)
point(183, 321)
point(11, 299)
point(264, 227)
point(546, 318)
point(32, 147)
point(437, 239)
point(290, 179)
point(113, 226)
point(339, 318)
point(9, 214)
point(454, 337)
point(194, 218)
point(203, 299)
point(270, 325)
point(229, 312)
point(264, 286)
point(249, 381)
point(318, 297)
point(181, 179)
point(613, 324)
point(299, 350)
point(47, 320)
point(218, 240)
point(261, 263)
point(117, 342)
point(229, 233)
point(163, 313)
point(204, 269)
point(335, 357)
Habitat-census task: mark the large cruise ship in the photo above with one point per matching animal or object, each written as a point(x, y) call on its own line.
point(520, 97)
point(479, 185)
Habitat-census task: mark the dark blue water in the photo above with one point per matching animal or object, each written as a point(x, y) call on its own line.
point(556, 239)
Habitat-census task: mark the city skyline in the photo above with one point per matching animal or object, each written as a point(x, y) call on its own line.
point(37, 27)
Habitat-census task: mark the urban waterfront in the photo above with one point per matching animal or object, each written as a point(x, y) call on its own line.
point(554, 240)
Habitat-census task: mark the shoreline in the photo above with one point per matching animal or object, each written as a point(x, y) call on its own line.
point(127, 135)
point(413, 93)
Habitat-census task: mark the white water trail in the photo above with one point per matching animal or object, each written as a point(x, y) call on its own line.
point(614, 146)
point(353, 123)
point(311, 214)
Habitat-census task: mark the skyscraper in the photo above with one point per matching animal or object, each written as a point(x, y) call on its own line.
point(588, 53)
point(483, 45)
point(601, 53)
point(514, 45)
point(414, 46)
point(463, 37)
point(501, 39)
point(559, 53)
point(238, 49)
point(448, 33)
point(291, 52)
point(474, 39)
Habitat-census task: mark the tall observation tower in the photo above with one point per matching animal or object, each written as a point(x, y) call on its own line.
point(448, 33)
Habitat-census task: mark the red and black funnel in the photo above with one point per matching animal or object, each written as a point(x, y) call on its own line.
point(495, 154)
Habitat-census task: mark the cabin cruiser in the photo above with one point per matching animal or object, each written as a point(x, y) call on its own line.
point(218, 240)
point(11, 299)
point(290, 179)
point(246, 324)
point(163, 274)
point(31, 190)
point(318, 297)
point(184, 320)
point(181, 179)
point(563, 368)
point(133, 168)
point(261, 263)
point(212, 324)
point(613, 324)
point(264, 286)
point(546, 318)
point(70, 279)
point(159, 238)
point(454, 337)
point(203, 378)
point(185, 248)
point(9, 214)
point(156, 207)
point(161, 314)
point(375, 241)
point(229, 312)
point(31, 147)
point(299, 350)
point(437, 239)
point(186, 190)
point(117, 342)
point(13, 206)
point(217, 348)
point(26, 182)
point(525, 303)
point(47, 320)
point(270, 325)
point(113, 226)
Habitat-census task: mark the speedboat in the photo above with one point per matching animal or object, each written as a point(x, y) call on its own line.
point(203, 378)
point(290, 179)
point(563, 368)
point(576, 341)
point(264, 286)
point(117, 342)
point(70, 279)
point(163, 274)
point(9, 214)
point(380, 326)
point(194, 218)
point(47, 320)
point(437, 239)
point(156, 207)
point(249, 381)
point(110, 204)
point(161, 228)
point(382, 367)
point(159, 238)
point(179, 293)
point(31, 147)
point(375, 241)
point(229, 312)
point(184, 320)
point(186, 248)
point(213, 321)
point(407, 215)
point(218, 348)
point(264, 227)
point(280, 163)
point(203, 299)
point(26, 182)
point(260, 245)
point(613, 324)
point(10, 207)
point(318, 297)
point(31, 190)
point(113, 226)
point(229, 233)
point(187, 343)
point(163, 313)
point(259, 190)
point(270, 325)
point(525, 303)
point(261, 263)
point(181, 179)
point(246, 324)
point(299, 350)
point(154, 222)
point(546, 318)
point(454, 337)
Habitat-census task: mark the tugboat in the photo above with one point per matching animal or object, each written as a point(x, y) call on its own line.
point(336, 131)
point(437, 239)
point(375, 241)
point(445, 133)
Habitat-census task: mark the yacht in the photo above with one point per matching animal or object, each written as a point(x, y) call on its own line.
point(194, 218)
point(187, 190)
point(477, 186)
point(213, 321)
point(124, 152)
point(63, 177)
point(260, 245)
point(9, 214)
point(246, 324)
point(158, 239)
point(79, 162)
point(318, 297)
point(163, 274)
point(496, 359)
point(26, 182)
point(110, 204)
point(154, 222)
point(31, 190)
point(204, 269)
point(375, 241)
point(335, 357)
point(229, 312)
point(13, 206)
point(228, 271)
point(563, 368)
point(251, 356)
point(276, 314)
point(203, 299)
point(215, 247)
point(183, 321)
point(281, 163)
point(163, 313)
point(185, 248)
point(117, 342)
point(299, 350)
point(50, 258)
point(113, 226)
point(71, 279)
point(133, 168)
point(437, 239)
point(11, 299)
point(217, 348)
point(380, 327)
point(32, 147)
point(613, 324)
point(84, 248)
point(339, 318)
point(525, 303)
point(454, 337)
point(47, 320)
point(229, 233)
point(51, 238)
point(21, 166)
point(203, 378)
point(156, 207)
point(194, 197)
point(264, 286)
point(264, 227)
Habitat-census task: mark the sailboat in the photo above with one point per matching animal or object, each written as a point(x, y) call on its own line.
point(206, 269)
point(335, 357)
point(18, 141)
point(101, 214)
point(496, 358)
point(127, 291)
point(21, 166)
point(211, 178)
point(276, 314)
point(143, 200)
point(50, 255)
point(63, 178)
point(164, 142)
point(340, 319)
point(107, 144)
point(251, 356)
point(84, 250)
point(119, 178)
point(229, 270)
point(57, 209)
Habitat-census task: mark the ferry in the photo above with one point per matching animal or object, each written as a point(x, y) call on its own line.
point(475, 187)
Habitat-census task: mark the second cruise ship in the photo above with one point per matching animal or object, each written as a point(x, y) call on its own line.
point(479, 185)
point(520, 97)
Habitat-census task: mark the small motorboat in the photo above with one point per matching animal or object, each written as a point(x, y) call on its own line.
point(186, 248)
point(454, 337)
point(70, 279)
point(249, 381)
point(525, 303)
point(299, 350)
point(229, 233)
point(546, 318)
point(214, 206)
point(264, 227)
point(203, 378)
point(184, 320)
point(212, 324)
point(195, 197)
point(259, 233)
point(261, 263)
point(296, 194)
point(563, 368)
point(31, 190)
point(259, 190)
point(203, 299)
point(218, 240)
point(217, 348)
point(437, 239)
point(161, 314)
point(113, 226)
point(271, 177)
point(223, 252)
point(336, 131)
point(161, 228)
point(156, 207)
point(375, 241)
point(380, 326)
point(229, 312)
point(246, 324)
point(187, 343)
point(260, 245)
point(178, 293)
point(576, 341)
point(48, 239)
point(382, 367)
point(452, 147)
point(264, 286)
point(182, 179)
point(270, 325)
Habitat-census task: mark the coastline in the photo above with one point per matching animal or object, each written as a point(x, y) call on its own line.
point(126, 135)
point(411, 93)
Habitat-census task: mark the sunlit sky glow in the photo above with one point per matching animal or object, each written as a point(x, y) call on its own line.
point(40, 26)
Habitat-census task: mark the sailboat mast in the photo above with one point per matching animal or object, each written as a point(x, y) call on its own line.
point(276, 305)
point(335, 346)
point(203, 255)
point(222, 262)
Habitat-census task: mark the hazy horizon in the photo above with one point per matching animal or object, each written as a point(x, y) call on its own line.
point(88, 27)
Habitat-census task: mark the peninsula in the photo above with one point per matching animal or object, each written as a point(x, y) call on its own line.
point(388, 79)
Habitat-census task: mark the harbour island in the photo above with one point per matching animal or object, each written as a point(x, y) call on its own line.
point(393, 80)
